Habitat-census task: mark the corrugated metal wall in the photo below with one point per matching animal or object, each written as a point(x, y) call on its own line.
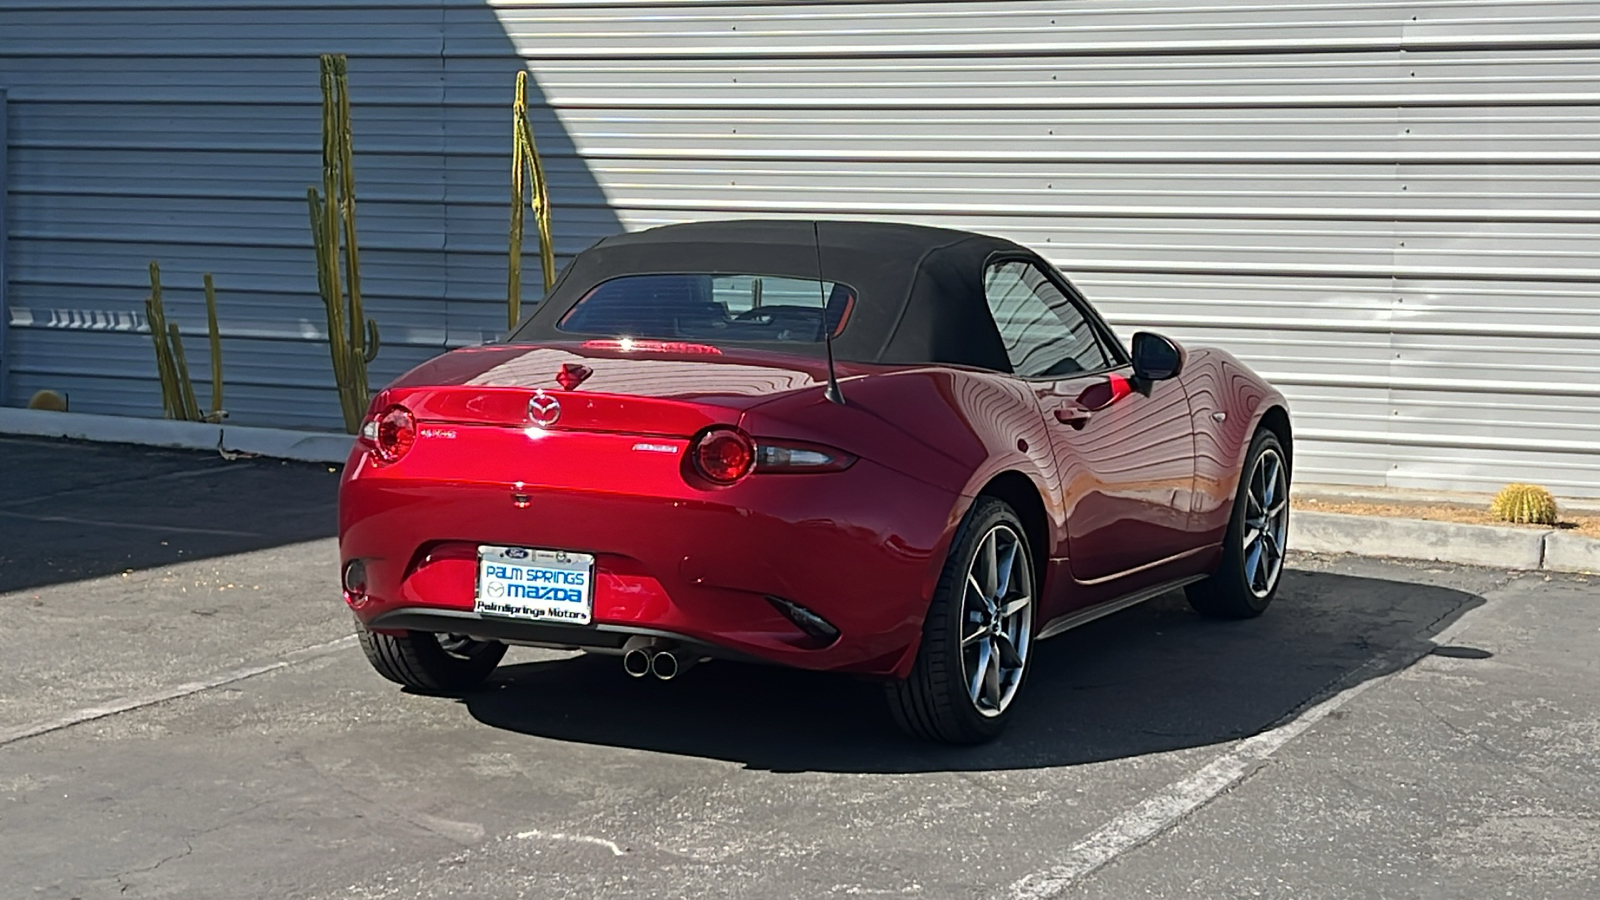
point(188, 132)
point(1387, 207)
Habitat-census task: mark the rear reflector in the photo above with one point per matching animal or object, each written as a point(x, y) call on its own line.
point(806, 620)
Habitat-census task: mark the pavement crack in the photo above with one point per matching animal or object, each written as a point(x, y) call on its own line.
point(123, 886)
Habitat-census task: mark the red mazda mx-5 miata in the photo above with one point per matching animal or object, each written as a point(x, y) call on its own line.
point(890, 450)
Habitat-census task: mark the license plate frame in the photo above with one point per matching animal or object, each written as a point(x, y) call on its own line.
point(534, 585)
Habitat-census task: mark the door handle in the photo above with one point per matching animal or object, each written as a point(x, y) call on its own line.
point(1074, 415)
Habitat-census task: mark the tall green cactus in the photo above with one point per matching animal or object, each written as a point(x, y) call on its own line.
point(352, 338)
point(166, 371)
point(215, 336)
point(526, 166)
point(172, 367)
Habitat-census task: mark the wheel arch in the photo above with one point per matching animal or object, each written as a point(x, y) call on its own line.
point(1276, 420)
point(1020, 493)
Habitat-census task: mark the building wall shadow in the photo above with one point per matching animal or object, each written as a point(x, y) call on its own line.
point(72, 510)
point(1154, 678)
point(198, 151)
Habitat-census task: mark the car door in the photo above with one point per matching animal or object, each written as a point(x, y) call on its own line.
point(1125, 452)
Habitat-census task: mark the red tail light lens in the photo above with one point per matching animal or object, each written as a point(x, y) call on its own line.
point(390, 434)
point(723, 455)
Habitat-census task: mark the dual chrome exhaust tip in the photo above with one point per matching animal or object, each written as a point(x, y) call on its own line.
point(643, 656)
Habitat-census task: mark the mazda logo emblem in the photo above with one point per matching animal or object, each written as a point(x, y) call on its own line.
point(544, 409)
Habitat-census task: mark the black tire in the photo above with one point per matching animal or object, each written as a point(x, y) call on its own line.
point(935, 702)
point(1231, 592)
point(431, 663)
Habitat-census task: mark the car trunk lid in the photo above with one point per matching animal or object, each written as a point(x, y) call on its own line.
point(675, 390)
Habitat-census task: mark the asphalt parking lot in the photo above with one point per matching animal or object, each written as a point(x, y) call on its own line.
point(184, 714)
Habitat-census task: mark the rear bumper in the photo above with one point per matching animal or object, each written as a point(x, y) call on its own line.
point(597, 637)
point(860, 548)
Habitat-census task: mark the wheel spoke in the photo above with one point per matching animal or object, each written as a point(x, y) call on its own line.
point(1253, 535)
point(1008, 651)
point(972, 582)
point(1269, 478)
point(974, 637)
point(1252, 564)
point(991, 679)
point(1013, 607)
point(975, 684)
point(1008, 567)
point(1273, 551)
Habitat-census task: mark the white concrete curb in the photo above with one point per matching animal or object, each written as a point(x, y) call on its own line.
point(1570, 553)
point(1476, 545)
point(278, 443)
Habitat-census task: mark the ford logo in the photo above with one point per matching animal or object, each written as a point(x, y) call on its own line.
point(515, 553)
point(544, 409)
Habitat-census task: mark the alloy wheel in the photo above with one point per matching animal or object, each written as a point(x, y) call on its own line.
point(996, 620)
point(1266, 522)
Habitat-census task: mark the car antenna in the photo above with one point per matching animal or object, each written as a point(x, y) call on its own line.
point(832, 391)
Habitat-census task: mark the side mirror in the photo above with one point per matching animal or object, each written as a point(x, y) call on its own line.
point(1156, 357)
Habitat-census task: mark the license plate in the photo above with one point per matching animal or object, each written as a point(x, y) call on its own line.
point(548, 585)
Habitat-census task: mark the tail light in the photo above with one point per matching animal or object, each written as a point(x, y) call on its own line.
point(390, 434)
point(723, 456)
point(776, 457)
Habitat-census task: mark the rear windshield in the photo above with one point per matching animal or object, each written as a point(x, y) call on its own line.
point(712, 308)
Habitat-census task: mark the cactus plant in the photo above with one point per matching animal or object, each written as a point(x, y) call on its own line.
point(352, 338)
point(177, 390)
point(55, 401)
point(215, 335)
point(1524, 503)
point(191, 408)
point(526, 166)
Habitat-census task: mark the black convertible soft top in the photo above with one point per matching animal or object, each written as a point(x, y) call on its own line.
point(920, 295)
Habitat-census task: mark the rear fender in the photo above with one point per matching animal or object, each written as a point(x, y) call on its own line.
point(952, 429)
point(1228, 402)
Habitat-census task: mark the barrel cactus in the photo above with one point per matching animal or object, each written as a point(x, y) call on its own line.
point(1524, 503)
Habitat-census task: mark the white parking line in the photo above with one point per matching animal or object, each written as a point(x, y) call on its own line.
point(229, 676)
point(575, 838)
point(1160, 812)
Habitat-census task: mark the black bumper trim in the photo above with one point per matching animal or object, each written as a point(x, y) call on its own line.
point(584, 637)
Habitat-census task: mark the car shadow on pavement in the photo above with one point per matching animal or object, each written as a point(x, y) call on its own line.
point(1151, 679)
point(71, 510)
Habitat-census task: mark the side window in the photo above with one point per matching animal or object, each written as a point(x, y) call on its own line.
point(1044, 333)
